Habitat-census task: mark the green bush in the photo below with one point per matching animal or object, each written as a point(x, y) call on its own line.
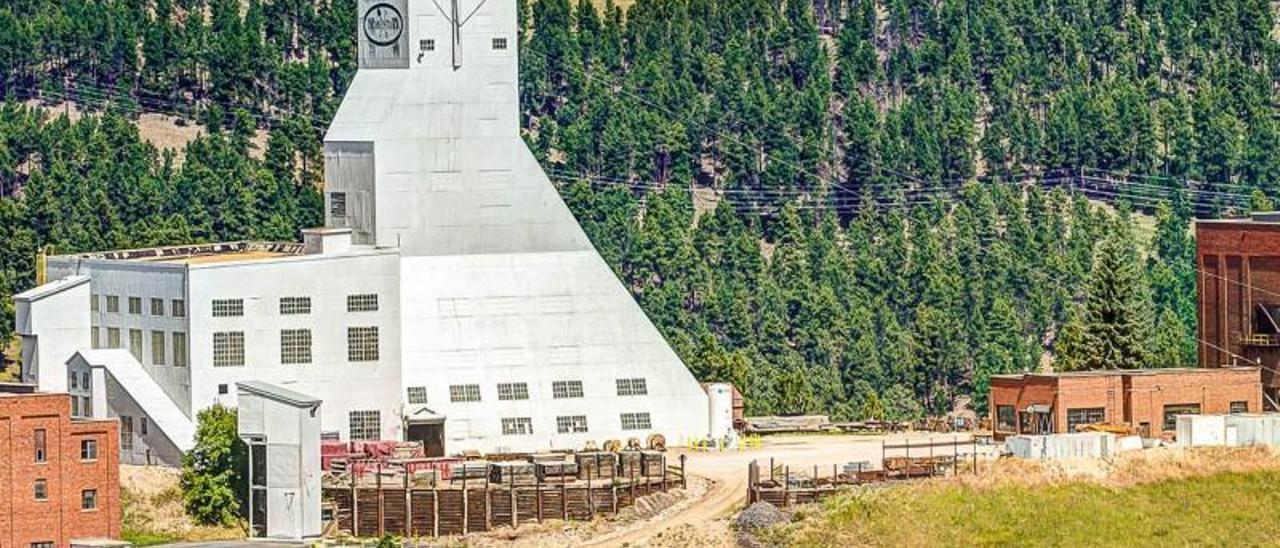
point(214, 486)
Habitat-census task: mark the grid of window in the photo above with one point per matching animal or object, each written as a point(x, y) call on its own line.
point(227, 308)
point(1090, 415)
point(135, 344)
point(338, 204)
point(573, 424)
point(417, 395)
point(178, 307)
point(499, 43)
point(635, 421)
point(135, 305)
point(1005, 420)
point(113, 304)
point(89, 499)
point(228, 349)
point(88, 449)
point(367, 302)
point(632, 387)
point(295, 346)
point(295, 305)
point(513, 391)
point(1171, 413)
point(157, 348)
point(179, 349)
point(157, 307)
point(464, 393)
point(1239, 407)
point(362, 344)
point(427, 44)
point(566, 389)
point(113, 337)
point(517, 426)
point(365, 425)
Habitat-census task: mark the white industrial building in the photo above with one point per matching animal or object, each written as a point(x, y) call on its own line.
point(451, 298)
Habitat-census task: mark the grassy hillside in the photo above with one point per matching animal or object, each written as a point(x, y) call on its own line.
point(1236, 508)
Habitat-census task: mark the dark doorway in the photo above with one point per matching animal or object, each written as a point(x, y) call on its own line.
point(430, 435)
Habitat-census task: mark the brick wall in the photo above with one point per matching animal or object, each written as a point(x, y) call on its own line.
point(59, 518)
point(1240, 261)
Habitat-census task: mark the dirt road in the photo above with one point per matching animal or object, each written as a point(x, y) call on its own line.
point(705, 521)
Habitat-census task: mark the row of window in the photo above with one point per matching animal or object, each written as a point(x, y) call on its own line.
point(367, 425)
point(507, 391)
point(293, 306)
point(88, 497)
point(161, 343)
point(295, 346)
point(177, 307)
point(1006, 417)
point(126, 431)
point(426, 44)
point(40, 447)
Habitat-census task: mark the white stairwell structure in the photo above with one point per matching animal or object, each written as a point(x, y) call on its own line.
point(116, 377)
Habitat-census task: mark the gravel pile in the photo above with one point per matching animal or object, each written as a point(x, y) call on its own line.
point(760, 515)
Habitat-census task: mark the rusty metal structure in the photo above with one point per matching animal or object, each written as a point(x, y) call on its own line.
point(1238, 305)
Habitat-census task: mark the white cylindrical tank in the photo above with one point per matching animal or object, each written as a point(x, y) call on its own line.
point(720, 406)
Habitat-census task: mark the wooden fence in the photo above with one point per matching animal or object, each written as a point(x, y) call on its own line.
point(782, 486)
point(467, 505)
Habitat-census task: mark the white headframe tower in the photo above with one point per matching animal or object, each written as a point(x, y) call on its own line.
point(500, 287)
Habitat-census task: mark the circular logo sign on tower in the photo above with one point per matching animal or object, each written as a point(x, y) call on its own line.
point(383, 24)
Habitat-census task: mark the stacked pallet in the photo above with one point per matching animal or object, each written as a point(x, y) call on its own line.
point(556, 471)
point(512, 473)
point(629, 464)
point(596, 465)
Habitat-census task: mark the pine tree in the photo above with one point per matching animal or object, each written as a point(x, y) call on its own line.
point(1117, 308)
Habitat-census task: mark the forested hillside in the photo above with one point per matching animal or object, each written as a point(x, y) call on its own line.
point(890, 193)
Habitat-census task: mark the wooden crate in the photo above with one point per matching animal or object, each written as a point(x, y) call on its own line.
point(596, 465)
point(512, 473)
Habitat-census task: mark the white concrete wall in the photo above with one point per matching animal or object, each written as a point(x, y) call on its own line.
point(150, 448)
point(53, 321)
point(327, 280)
point(144, 280)
point(292, 436)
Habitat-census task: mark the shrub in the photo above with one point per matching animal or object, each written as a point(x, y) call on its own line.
point(214, 488)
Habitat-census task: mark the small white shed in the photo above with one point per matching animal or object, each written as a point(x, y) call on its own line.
point(282, 430)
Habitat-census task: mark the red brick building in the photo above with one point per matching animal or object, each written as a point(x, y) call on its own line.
point(1239, 295)
point(59, 478)
point(1146, 400)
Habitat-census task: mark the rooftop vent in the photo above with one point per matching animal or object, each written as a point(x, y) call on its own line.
point(326, 241)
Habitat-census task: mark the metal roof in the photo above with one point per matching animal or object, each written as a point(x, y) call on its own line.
point(278, 393)
point(51, 288)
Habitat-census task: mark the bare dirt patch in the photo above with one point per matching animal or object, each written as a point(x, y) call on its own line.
point(152, 501)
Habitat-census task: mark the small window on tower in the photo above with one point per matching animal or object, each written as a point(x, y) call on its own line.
point(499, 43)
point(427, 44)
point(338, 204)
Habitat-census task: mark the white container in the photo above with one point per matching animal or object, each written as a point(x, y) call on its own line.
point(1256, 429)
point(1202, 430)
point(720, 407)
point(1062, 446)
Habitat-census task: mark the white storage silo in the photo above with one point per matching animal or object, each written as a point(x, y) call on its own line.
point(720, 407)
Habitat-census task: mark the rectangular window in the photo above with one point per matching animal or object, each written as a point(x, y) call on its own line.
point(39, 443)
point(632, 387)
point(157, 307)
point(362, 303)
point(93, 303)
point(95, 338)
point(365, 425)
point(573, 424)
point(417, 395)
point(295, 346)
point(362, 344)
point(75, 406)
point(1238, 407)
point(113, 304)
point(1005, 421)
point(513, 391)
point(1083, 416)
point(88, 449)
point(84, 380)
point(1171, 413)
point(290, 306)
point(517, 426)
point(142, 426)
point(635, 421)
point(73, 380)
point(464, 393)
point(228, 308)
point(178, 307)
point(427, 44)
point(158, 354)
point(228, 349)
point(566, 389)
point(135, 344)
point(135, 305)
point(338, 204)
point(126, 433)
point(44, 544)
point(180, 349)
point(113, 337)
point(499, 43)
point(41, 489)
point(222, 389)
point(87, 406)
point(89, 499)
